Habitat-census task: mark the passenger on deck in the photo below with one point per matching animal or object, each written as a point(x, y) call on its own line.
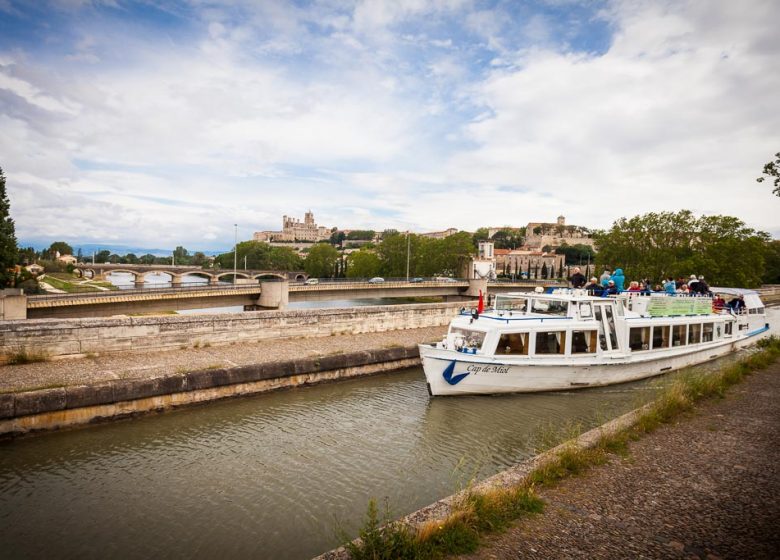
point(611, 289)
point(618, 279)
point(594, 288)
point(634, 287)
point(577, 279)
point(670, 287)
point(703, 288)
point(718, 304)
point(604, 278)
point(737, 305)
point(693, 285)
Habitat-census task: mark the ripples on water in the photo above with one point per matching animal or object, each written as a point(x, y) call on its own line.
point(269, 476)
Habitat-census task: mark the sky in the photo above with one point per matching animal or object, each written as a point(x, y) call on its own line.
point(158, 123)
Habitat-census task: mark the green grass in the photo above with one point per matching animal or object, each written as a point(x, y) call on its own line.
point(479, 514)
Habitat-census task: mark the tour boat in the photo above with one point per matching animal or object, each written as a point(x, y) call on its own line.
point(567, 339)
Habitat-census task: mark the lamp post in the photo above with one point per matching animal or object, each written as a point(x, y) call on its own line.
point(408, 246)
point(235, 253)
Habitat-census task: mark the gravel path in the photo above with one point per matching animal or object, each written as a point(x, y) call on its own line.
point(707, 487)
point(82, 371)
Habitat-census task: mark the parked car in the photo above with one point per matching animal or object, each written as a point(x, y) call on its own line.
point(376, 280)
point(416, 280)
point(444, 279)
point(312, 281)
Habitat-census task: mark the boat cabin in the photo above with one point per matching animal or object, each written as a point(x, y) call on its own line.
point(572, 324)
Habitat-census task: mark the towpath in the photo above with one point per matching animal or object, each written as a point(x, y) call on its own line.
point(84, 371)
point(706, 487)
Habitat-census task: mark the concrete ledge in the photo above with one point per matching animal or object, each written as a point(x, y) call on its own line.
point(56, 408)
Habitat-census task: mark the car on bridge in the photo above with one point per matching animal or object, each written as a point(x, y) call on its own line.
point(376, 280)
point(312, 282)
point(417, 280)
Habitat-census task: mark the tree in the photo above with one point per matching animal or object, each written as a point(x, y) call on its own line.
point(508, 239)
point(656, 245)
point(148, 258)
point(361, 235)
point(772, 169)
point(772, 263)
point(130, 258)
point(181, 255)
point(199, 259)
point(482, 234)
point(102, 256)
point(337, 238)
point(363, 264)
point(60, 247)
point(261, 256)
point(8, 248)
point(27, 256)
point(321, 261)
point(576, 254)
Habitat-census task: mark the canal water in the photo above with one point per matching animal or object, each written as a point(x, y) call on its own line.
point(271, 476)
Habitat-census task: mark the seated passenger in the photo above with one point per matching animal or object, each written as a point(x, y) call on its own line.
point(594, 287)
point(634, 287)
point(703, 287)
point(611, 289)
point(718, 304)
point(737, 305)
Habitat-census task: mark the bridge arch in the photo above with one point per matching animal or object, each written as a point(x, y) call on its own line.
point(229, 274)
point(136, 275)
point(198, 274)
point(270, 276)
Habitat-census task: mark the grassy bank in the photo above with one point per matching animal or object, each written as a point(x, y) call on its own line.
point(476, 515)
point(71, 284)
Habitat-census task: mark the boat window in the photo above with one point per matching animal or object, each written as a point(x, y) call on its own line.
point(639, 338)
point(602, 336)
point(661, 336)
point(585, 310)
point(511, 303)
point(706, 332)
point(611, 325)
point(694, 334)
point(678, 335)
point(549, 307)
point(583, 342)
point(550, 342)
point(513, 343)
point(727, 328)
point(471, 339)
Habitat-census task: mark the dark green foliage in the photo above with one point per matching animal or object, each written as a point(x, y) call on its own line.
point(361, 235)
point(321, 261)
point(772, 169)
point(427, 256)
point(656, 245)
point(8, 248)
point(261, 256)
point(577, 254)
point(772, 263)
point(60, 247)
point(363, 264)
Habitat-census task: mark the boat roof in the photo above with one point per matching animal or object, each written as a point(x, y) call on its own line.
point(734, 291)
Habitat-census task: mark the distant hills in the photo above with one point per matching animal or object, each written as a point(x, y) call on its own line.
point(89, 248)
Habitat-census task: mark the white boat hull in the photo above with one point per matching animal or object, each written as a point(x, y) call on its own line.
point(449, 372)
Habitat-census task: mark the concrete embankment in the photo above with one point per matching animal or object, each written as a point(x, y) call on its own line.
point(78, 337)
point(62, 393)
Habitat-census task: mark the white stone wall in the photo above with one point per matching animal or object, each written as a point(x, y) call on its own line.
point(63, 337)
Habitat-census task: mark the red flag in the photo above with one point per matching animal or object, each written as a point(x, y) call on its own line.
point(481, 304)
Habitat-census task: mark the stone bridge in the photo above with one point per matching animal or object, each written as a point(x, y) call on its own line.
point(178, 273)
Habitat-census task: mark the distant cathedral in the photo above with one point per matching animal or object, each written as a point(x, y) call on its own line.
point(295, 230)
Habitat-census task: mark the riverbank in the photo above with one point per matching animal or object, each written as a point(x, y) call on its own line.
point(706, 486)
point(54, 394)
point(686, 476)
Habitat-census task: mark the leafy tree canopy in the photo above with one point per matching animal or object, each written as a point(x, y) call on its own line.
point(8, 247)
point(261, 256)
point(321, 261)
point(61, 247)
point(361, 235)
point(772, 169)
point(363, 264)
point(427, 256)
point(576, 254)
point(655, 245)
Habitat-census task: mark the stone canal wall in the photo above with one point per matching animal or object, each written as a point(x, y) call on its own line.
point(61, 407)
point(54, 338)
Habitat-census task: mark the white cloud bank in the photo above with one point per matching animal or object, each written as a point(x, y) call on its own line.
point(372, 125)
